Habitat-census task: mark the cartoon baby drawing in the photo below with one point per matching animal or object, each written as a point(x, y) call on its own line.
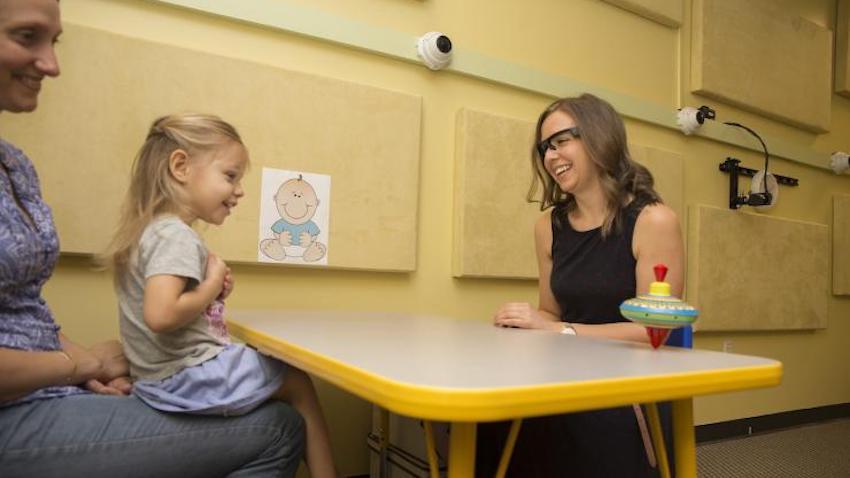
point(295, 234)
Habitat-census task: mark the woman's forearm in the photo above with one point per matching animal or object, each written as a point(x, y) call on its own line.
point(22, 372)
point(618, 330)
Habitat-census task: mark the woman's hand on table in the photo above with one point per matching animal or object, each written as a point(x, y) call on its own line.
point(524, 316)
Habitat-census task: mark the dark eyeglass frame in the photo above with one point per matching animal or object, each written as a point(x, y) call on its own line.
point(546, 144)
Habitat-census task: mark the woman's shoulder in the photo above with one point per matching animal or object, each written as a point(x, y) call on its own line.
point(15, 155)
point(657, 216)
point(8, 147)
point(21, 168)
point(543, 225)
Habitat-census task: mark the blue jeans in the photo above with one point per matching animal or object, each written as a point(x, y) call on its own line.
point(98, 435)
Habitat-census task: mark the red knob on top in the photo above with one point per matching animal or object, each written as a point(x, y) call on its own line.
point(660, 272)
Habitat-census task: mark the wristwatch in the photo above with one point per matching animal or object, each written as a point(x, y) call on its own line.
point(568, 329)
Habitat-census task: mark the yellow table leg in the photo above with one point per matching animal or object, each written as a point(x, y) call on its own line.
point(462, 450)
point(684, 438)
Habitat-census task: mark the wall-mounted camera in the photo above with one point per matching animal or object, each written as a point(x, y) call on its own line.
point(839, 162)
point(763, 191)
point(435, 50)
point(690, 119)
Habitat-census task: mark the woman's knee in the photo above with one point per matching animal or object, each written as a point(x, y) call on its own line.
point(291, 437)
point(290, 421)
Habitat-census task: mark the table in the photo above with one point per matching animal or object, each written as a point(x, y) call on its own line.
point(466, 371)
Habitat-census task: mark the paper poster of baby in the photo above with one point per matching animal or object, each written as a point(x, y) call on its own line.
point(294, 217)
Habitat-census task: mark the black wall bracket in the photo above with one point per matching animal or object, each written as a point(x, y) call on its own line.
point(731, 166)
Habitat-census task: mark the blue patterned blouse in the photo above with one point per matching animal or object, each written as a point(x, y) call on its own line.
point(29, 248)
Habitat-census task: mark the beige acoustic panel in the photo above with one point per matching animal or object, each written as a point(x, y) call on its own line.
point(665, 12)
point(747, 271)
point(493, 223)
point(755, 55)
point(842, 49)
point(841, 244)
point(95, 116)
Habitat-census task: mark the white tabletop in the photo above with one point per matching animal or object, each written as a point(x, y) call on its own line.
point(407, 363)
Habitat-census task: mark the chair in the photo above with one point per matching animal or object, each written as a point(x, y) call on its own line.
point(682, 337)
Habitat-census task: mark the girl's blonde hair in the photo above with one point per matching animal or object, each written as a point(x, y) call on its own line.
point(153, 190)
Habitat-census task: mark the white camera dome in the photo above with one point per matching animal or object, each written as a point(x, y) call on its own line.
point(839, 162)
point(435, 50)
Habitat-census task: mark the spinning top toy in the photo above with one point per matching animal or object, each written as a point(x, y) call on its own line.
point(659, 312)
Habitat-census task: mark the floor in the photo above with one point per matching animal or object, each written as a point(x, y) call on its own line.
point(812, 451)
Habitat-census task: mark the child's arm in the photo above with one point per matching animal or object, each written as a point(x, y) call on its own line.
point(168, 306)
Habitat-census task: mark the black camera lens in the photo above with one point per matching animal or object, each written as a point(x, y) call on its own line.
point(444, 44)
point(759, 199)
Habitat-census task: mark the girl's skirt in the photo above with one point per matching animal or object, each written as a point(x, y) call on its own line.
point(234, 382)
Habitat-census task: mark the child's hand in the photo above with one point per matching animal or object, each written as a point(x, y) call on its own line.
point(228, 285)
point(216, 271)
point(305, 239)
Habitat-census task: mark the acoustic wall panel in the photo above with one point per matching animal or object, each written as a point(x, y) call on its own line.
point(665, 12)
point(841, 244)
point(747, 271)
point(493, 223)
point(756, 56)
point(95, 116)
point(842, 48)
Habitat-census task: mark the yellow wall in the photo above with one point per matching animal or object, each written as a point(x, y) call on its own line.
point(586, 40)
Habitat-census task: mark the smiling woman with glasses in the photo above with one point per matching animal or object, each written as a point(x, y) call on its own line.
point(603, 230)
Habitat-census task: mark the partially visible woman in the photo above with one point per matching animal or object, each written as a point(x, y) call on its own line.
point(604, 230)
point(62, 406)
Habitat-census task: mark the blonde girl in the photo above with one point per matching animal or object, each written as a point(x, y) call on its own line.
point(188, 170)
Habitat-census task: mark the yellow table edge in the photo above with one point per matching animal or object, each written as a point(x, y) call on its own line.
point(474, 405)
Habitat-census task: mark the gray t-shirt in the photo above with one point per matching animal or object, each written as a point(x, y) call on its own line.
point(167, 246)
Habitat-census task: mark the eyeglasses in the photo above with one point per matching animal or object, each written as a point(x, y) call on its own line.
point(556, 140)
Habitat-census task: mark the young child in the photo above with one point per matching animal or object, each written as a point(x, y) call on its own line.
point(170, 288)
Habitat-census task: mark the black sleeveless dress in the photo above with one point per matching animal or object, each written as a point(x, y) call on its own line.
point(590, 277)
